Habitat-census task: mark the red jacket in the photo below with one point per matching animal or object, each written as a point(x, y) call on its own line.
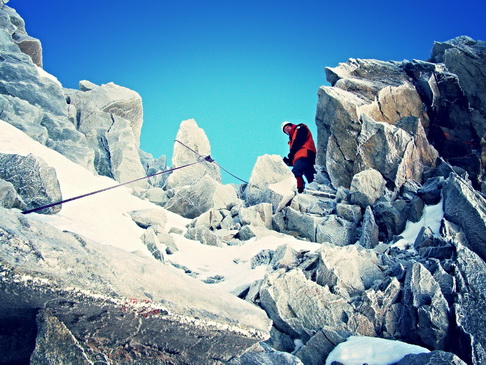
point(301, 143)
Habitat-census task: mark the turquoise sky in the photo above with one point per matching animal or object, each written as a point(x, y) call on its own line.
point(239, 68)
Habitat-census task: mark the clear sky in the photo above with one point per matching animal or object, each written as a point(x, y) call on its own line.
point(238, 67)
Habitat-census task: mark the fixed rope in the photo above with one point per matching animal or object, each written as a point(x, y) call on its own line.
point(110, 188)
point(209, 159)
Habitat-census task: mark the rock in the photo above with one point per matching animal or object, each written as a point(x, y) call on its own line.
point(154, 166)
point(431, 358)
point(193, 200)
point(318, 348)
point(56, 344)
point(285, 257)
point(335, 230)
point(466, 208)
point(347, 271)
point(303, 224)
point(425, 310)
point(110, 116)
point(146, 218)
point(195, 138)
point(151, 240)
point(430, 191)
point(33, 179)
point(366, 187)
point(349, 212)
point(257, 214)
point(272, 182)
point(369, 230)
point(109, 298)
point(299, 307)
point(9, 197)
point(316, 205)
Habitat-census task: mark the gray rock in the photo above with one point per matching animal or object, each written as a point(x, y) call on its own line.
point(285, 257)
point(318, 348)
point(336, 230)
point(56, 344)
point(366, 187)
point(272, 182)
point(193, 200)
point(151, 240)
point(9, 197)
point(348, 271)
point(430, 191)
point(369, 230)
point(310, 204)
point(431, 358)
point(146, 218)
point(349, 212)
point(467, 208)
point(304, 225)
point(257, 214)
point(425, 310)
point(299, 307)
point(33, 179)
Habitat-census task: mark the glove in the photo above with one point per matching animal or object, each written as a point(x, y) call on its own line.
point(287, 161)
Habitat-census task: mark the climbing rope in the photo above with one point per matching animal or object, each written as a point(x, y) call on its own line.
point(209, 159)
point(200, 159)
point(109, 188)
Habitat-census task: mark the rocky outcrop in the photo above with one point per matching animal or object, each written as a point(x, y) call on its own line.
point(87, 288)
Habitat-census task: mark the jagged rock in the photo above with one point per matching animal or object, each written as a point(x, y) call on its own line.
point(157, 196)
point(109, 298)
point(467, 318)
point(349, 212)
point(193, 200)
point(280, 341)
point(33, 179)
point(390, 218)
point(56, 344)
point(430, 191)
point(285, 257)
point(154, 166)
point(467, 208)
point(303, 224)
point(110, 116)
point(9, 197)
point(264, 257)
point(365, 91)
point(465, 57)
point(257, 214)
point(318, 348)
point(347, 271)
point(151, 240)
point(299, 307)
point(335, 230)
point(366, 187)
point(271, 181)
point(425, 310)
point(123, 151)
point(369, 230)
point(195, 138)
point(431, 358)
point(310, 204)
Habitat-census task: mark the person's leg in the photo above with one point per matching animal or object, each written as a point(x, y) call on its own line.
point(298, 171)
point(310, 171)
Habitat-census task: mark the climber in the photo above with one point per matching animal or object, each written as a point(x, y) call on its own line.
point(302, 155)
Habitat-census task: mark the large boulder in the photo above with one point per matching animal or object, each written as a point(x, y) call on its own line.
point(110, 116)
point(34, 181)
point(366, 187)
point(194, 148)
point(272, 182)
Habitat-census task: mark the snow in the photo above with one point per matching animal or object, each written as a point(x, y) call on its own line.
point(105, 218)
point(358, 350)
point(431, 218)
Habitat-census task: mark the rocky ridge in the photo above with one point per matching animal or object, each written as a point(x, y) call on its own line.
point(394, 139)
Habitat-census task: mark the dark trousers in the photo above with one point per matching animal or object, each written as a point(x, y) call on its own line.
point(304, 167)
